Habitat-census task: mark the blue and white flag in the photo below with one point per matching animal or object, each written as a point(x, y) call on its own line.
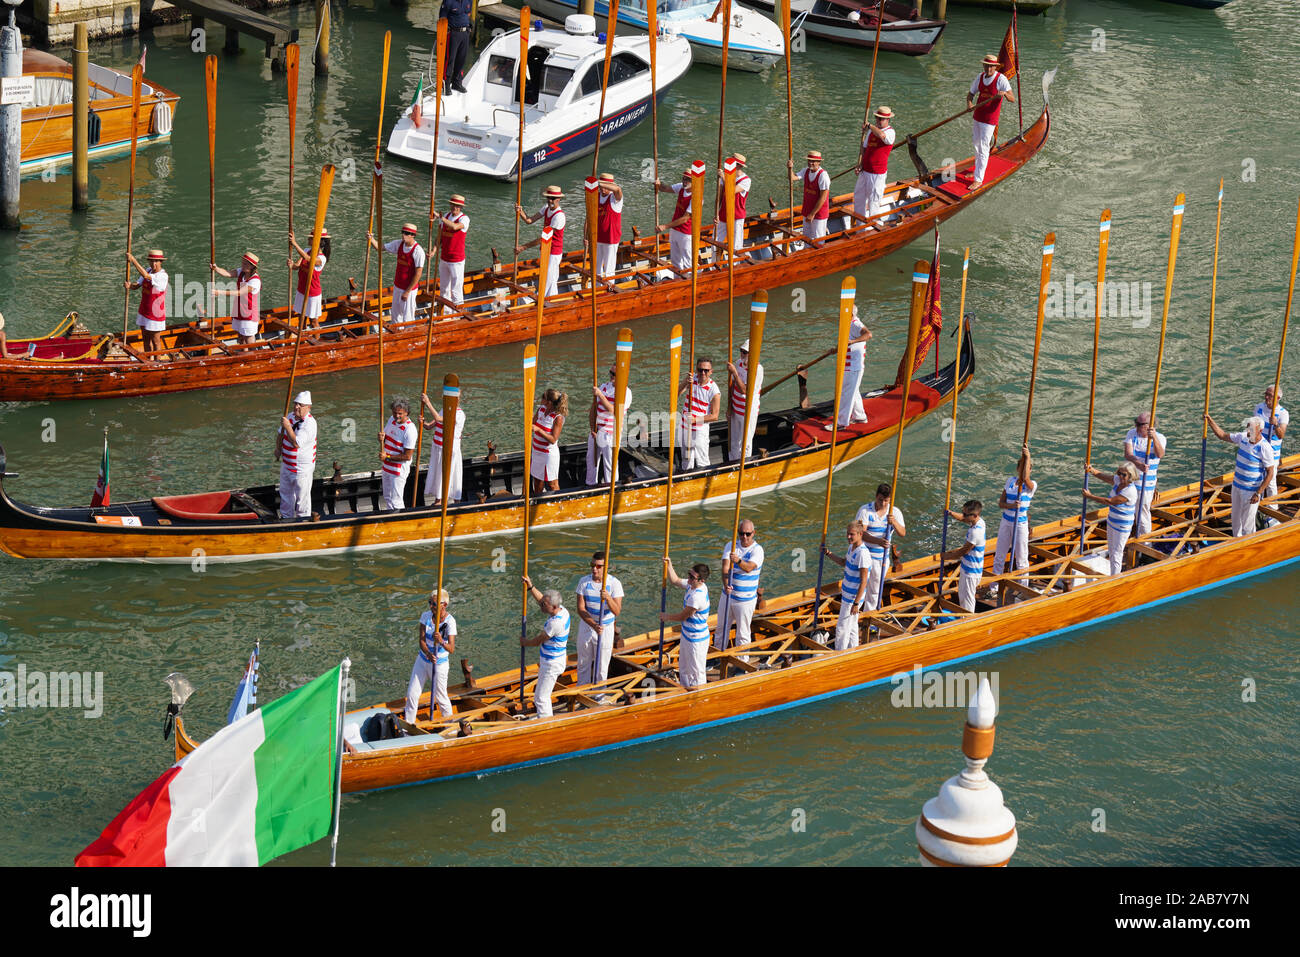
point(246, 694)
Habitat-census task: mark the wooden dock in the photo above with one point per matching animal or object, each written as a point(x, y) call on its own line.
point(240, 20)
point(496, 14)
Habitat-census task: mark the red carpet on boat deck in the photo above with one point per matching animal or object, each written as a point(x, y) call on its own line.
point(959, 187)
point(882, 412)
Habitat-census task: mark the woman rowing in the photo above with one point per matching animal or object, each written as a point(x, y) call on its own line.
point(307, 299)
point(433, 481)
point(246, 305)
point(693, 649)
point(1123, 503)
point(547, 423)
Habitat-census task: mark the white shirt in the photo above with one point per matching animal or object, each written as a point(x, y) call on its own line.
point(822, 181)
point(887, 135)
point(857, 354)
point(417, 252)
point(1003, 86)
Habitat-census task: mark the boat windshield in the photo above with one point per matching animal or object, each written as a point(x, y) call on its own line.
point(501, 70)
point(555, 79)
point(670, 6)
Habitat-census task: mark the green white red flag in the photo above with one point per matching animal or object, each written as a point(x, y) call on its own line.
point(101, 494)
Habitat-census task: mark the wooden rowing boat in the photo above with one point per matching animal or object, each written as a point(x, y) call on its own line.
point(73, 363)
point(920, 626)
point(242, 524)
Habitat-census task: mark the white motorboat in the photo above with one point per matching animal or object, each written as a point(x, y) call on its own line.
point(754, 45)
point(480, 128)
point(853, 22)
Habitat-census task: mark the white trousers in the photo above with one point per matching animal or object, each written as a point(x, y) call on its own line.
point(874, 569)
point(869, 193)
point(967, 584)
point(295, 494)
point(814, 228)
point(720, 237)
point(244, 327)
point(587, 652)
point(420, 674)
point(695, 446)
point(600, 459)
point(1243, 513)
point(1115, 542)
point(548, 669)
point(691, 662)
point(1143, 521)
point(679, 250)
point(552, 274)
point(851, 409)
point(846, 629)
point(403, 306)
point(738, 613)
point(394, 487)
point(313, 306)
point(736, 425)
point(433, 480)
point(1021, 558)
point(607, 259)
point(451, 281)
point(982, 135)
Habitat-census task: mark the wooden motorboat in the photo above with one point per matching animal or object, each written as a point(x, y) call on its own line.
point(790, 447)
point(789, 663)
point(1019, 6)
point(47, 123)
point(479, 132)
point(903, 29)
point(73, 363)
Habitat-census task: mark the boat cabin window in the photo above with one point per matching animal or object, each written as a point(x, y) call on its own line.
point(555, 80)
point(536, 67)
point(625, 66)
point(591, 79)
point(501, 70)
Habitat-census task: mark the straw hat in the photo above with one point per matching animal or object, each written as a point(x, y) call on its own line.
point(739, 158)
point(156, 254)
point(302, 398)
point(992, 60)
point(409, 228)
point(457, 199)
point(553, 192)
point(884, 112)
point(252, 259)
point(606, 179)
point(814, 156)
point(324, 233)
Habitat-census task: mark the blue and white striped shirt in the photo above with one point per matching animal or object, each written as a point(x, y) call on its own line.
point(744, 585)
point(854, 562)
point(1283, 418)
point(448, 631)
point(877, 524)
point(589, 593)
point(1146, 482)
point(1018, 499)
point(556, 644)
point(1253, 460)
point(696, 627)
point(972, 563)
point(1120, 517)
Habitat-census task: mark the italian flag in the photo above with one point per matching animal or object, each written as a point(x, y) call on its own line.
point(258, 788)
point(101, 494)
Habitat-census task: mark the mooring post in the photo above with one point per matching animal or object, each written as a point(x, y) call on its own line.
point(80, 116)
point(942, 12)
point(322, 37)
point(232, 41)
point(11, 124)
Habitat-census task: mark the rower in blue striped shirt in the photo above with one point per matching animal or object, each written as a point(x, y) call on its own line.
point(693, 648)
point(1123, 503)
point(1144, 447)
point(1274, 432)
point(742, 563)
point(1256, 468)
point(854, 587)
point(971, 553)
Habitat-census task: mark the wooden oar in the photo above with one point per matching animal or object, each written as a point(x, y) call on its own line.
point(1175, 233)
point(804, 367)
point(592, 198)
point(210, 78)
point(530, 397)
point(697, 205)
point(1209, 357)
point(291, 78)
point(137, 77)
point(652, 28)
point(374, 183)
point(1044, 277)
point(379, 307)
point(622, 366)
point(440, 45)
point(1103, 246)
point(920, 290)
point(1286, 321)
point(952, 441)
point(871, 84)
point(674, 372)
point(450, 402)
point(722, 106)
point(322, 206)
point(525, 23)
point(543, 267)
point(848, 293)
point(729, 221)
point(604, 87)
point(789, 106)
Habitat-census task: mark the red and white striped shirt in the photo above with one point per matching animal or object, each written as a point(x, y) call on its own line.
point(398, 439)
point(738, 385)
point(604, 419)
point(547, 421)
point(302, 457)
point(699, 403)
point(460, 427)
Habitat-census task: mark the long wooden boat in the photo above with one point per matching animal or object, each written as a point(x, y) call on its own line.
point(47, 124)
point(73, 363)
point(790, 664)
point(790, 447)
point(853, 22)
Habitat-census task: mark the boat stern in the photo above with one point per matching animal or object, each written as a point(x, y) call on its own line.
point(465, 147)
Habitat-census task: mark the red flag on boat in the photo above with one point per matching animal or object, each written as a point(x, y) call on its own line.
point(1009, 55)
point(931, 320)
point(417, 104)
point(101, 487)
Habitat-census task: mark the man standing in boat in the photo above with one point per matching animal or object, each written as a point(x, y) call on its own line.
point(742, 563)
point(877, 517)
point(453, 229)
point(971, 553)
point(457, 14)
point(703, 405)
point(1144, 447)
point(816, 197)
point(986, 94)
point(873, 165)
point(679, 227)
point(743, 184)
point(246, 306)
point(1274, 433)
point(693, 648)
point(854, 586)
point(609, 225)
point(553, 639)
point(296, 452)
point(397, 447)
point(1123, 503)
point(433, 481)
point(599, 593)
point(1255, 470)
point(406, 279)
point(307, 300)
point(552, 218)
point(1014, 502)
point(738, 401)
point(855, 360)
point(152, 314)
point(436, 645)
point(600, 437)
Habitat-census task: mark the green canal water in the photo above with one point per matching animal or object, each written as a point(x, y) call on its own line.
point(1138, 721)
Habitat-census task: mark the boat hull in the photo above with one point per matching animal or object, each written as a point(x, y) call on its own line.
point(910, 38)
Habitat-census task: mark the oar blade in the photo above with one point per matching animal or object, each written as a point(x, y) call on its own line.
point(291, 78)
point(450, 404)
point(674, 383)
point(848, 299)
point(530, 399)
point(729, 167)
point(697, 207)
